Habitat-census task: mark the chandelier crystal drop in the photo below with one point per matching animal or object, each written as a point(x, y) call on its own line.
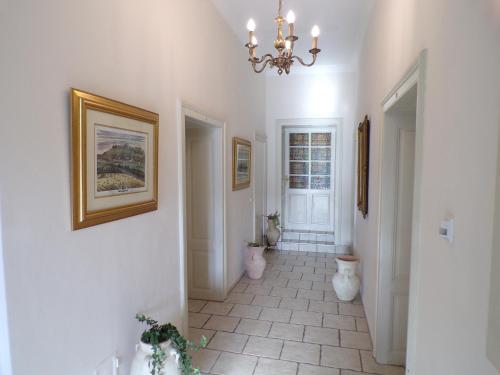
point(284, 45)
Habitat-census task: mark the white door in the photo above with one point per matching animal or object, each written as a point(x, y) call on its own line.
point(204, 213)
point(396, 236)
point(260, 186)
point(309, 165)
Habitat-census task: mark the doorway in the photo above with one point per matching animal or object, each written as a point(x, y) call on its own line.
point(260, 187)
point(310, 178)
point(203, 200)
point(401, 137)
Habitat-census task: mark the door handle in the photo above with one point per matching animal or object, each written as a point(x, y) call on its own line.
point(287, 178)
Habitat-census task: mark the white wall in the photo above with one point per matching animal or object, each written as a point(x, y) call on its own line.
point(72, 296)
point(313, 95)
point(462, 109)
point(5, 365)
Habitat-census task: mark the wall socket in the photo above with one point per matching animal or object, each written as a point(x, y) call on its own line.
point(109, 366)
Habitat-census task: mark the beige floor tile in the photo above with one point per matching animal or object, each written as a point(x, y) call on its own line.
point(259, 290)
point(286, 331)
point(263, 347)
point(362, 325)
point(246, 311)
point(204, 359)
point(349, 372)
point(283, 292)
point(239, 288)
point(331, 296)
point(217, 308)
point(324, 307)
point(295, 262)
point(274, 367)
point(301, 352)
point(291, 275)
point(276, 315)
point(317, 370)
point(196, 305)
point(275, 282)
point(316, 295)
point(355, 340)
point(222, 323)
point(266, 301)
point(241, 298)
point(253, 327)
point(323, 336)
point(327, 287)
point(198, 320)
point(313, 277)
point(294, 304)
point(195, 334)
point(351, 309)
point(303, 269)
point(228, 342)
point(339, 322)
point(307, 318)
point(372, 367)
point(300, 284)
point(340, 358)
point(234, 364)
point(247, 280)
point(283, 268)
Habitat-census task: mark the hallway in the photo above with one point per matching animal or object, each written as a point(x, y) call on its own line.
point(289, 322)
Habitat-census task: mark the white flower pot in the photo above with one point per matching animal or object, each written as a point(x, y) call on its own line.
point(345, 282)
point(273, 233)
point(255, 264)
point(140, 364)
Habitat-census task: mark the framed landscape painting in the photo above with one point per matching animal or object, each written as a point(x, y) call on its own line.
point(114, 160)
point(242, 163)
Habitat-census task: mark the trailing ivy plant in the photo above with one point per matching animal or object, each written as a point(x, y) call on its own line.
point(157, 334)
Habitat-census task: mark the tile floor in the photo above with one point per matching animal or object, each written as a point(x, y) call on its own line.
point(288, 323)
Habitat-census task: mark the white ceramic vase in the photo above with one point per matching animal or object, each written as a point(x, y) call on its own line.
point(345, 282)
point(140, 364)
point(273, 233)
point(255, 264)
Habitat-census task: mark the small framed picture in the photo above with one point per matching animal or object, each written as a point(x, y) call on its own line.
point(242, 163)
point(363, 165)
point(114, 160)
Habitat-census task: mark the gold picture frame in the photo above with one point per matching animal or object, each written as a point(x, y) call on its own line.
point(363, 165)
point(242, 163)
point(114, 160)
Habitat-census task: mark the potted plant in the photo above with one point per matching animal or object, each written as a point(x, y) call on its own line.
point(159, 344)
point(255, 264)
point(273, 232)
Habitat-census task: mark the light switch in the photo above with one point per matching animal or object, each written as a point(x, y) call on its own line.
point(446, 230)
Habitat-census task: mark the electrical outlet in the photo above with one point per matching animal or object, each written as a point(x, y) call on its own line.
point(109, 366)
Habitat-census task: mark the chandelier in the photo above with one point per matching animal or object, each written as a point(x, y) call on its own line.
point(285, 57)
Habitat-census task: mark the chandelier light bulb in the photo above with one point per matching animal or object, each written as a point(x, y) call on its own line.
point(288, 45)
point(254, 41)
point(251, 25)
point(290, 17)
point(315, 31)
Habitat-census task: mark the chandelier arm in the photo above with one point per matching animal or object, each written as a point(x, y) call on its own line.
point(262, 59)
point(257, 70)
point(302, 61)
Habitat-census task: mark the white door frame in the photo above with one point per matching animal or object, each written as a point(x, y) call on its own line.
point(337, 124)
point(262, 139)
point(183, 111)
point(415, 76)
point(5, 361)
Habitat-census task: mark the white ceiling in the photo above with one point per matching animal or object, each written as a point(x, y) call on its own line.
point(342, 23)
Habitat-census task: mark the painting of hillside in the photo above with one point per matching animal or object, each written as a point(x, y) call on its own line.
point(121, 161)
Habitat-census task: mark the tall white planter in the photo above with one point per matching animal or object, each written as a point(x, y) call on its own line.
point(273, 233)
point(255, 264)
point(140, 364)
point(345, 282)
